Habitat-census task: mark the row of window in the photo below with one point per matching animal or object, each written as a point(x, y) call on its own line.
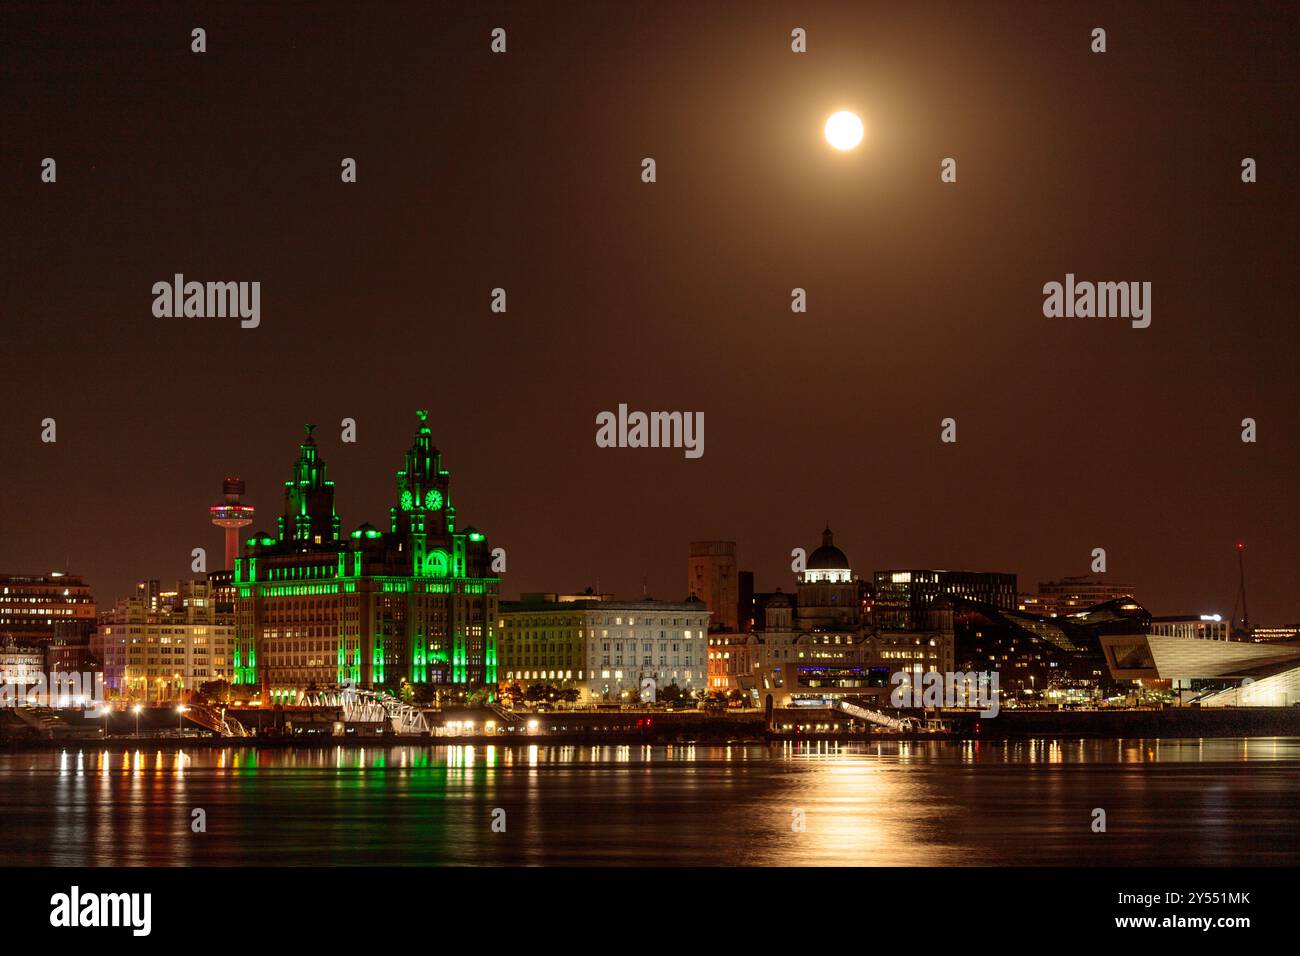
point(579, 622)
point(645, 661)
point(526, 674)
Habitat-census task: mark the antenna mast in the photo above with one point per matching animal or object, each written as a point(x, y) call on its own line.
point(1241, 591)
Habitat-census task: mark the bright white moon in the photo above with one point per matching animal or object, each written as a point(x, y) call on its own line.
point(843, 130)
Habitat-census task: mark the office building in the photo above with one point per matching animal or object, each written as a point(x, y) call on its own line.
point(159, 646)
point(1265, 634)
point(606, 649)
point(1071, 594)
point(414, 605)
point(902, 598)
point(36, 609)
point(1039, 659)
point(21, 663)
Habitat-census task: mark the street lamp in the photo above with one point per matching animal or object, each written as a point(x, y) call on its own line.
point(137, 708)
point(180, 718)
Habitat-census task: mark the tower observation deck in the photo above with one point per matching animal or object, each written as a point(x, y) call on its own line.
point(231, 515)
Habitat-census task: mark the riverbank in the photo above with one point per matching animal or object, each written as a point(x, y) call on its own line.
point(585, 728)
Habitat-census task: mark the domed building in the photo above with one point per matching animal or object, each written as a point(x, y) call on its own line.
point(807, 645)
point(828, 563)
point(818, 643)
point(829, 595)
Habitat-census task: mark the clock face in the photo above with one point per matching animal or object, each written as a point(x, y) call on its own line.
point(407, 501)
point(433, 499)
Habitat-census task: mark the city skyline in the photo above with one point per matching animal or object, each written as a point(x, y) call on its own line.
point(637, 581)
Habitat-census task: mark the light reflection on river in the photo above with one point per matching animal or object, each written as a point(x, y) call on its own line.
point(1220, 801)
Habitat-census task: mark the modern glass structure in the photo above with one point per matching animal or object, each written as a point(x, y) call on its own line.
point(1039, 655)
point(903, 598)
point(1209, 672)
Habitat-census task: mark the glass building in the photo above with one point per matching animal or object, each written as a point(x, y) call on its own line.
point(1040, 658)
point(903, 599)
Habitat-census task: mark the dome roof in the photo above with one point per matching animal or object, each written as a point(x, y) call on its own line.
point(827, 557)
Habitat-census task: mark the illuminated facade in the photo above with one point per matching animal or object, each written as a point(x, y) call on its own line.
point(729, 655)
point(1039, 659)
point(830, 595)
point(823, 626)
point(21, 664)
point(806, 684)
point(604, 648)
point(1209, 672)
point(40, 608)
point(415, 605)
point(1204, 627)
point(160, 645)
point(755, 662)
point(913, 651)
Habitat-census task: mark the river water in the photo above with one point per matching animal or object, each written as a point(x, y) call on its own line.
point(897, 803)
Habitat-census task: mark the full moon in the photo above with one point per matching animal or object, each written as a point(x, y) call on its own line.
point(843, 130)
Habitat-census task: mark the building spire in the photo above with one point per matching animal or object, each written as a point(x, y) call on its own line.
point(309, 498)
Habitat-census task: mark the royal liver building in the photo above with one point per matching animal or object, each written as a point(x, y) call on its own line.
point(416, 604)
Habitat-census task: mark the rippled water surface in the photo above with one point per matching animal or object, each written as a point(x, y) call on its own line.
point(1221, 802)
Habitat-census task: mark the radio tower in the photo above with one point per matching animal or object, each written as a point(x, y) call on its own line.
point(232, 516)
point(1241, 592)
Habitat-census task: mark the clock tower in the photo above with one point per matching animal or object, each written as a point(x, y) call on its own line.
point(415, 605)
point(424, 515)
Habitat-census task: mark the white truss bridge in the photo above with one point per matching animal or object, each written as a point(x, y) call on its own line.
point(371, 707)
point(900, 724)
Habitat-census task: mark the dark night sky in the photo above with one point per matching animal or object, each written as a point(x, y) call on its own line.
point(522, 171)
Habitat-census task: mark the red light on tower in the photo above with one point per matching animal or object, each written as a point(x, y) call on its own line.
point(232, 516)
point(1241, 590)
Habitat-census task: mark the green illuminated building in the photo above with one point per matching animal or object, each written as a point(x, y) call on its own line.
point(318, 609)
